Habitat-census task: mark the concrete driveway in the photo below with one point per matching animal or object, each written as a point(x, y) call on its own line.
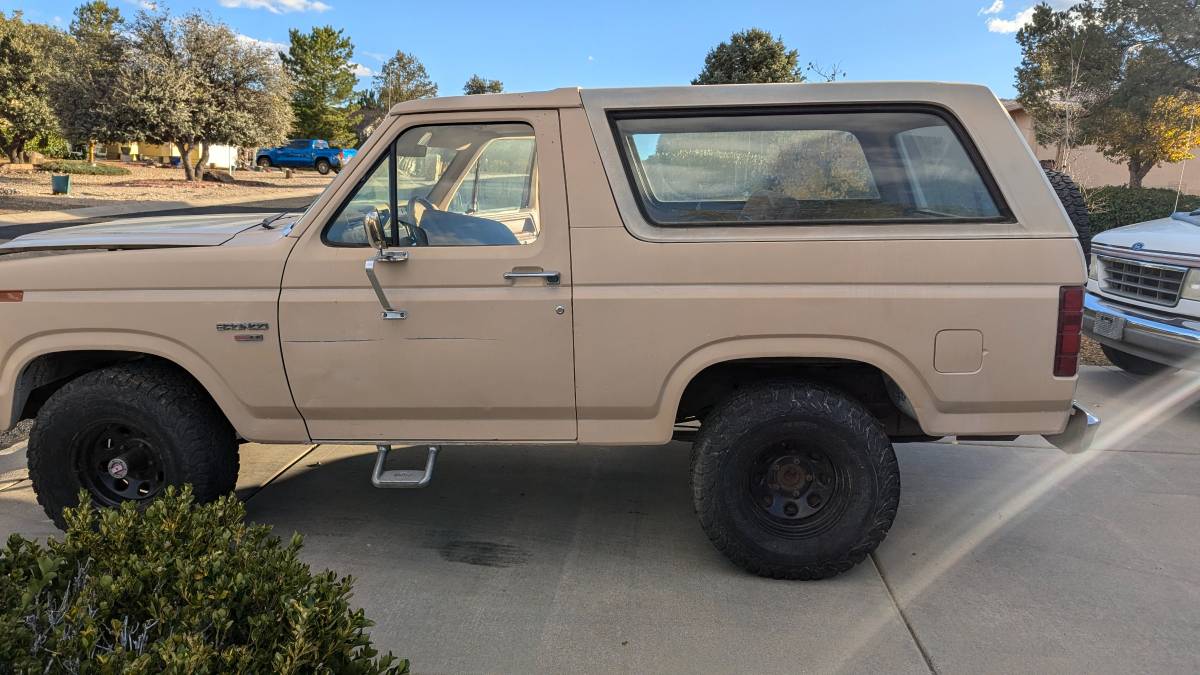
point(1005, 556)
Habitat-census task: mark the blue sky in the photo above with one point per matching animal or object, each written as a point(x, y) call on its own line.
point(596, 43)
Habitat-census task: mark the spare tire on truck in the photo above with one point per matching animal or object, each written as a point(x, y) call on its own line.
point(1072, 200)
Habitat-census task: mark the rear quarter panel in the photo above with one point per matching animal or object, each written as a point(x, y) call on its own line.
point(653, 307)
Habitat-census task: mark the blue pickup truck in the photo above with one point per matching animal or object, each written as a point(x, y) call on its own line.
point(307, 153)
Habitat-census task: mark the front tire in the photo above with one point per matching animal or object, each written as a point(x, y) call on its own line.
point(793, 480)
point(125, 433)
point(1134, 364)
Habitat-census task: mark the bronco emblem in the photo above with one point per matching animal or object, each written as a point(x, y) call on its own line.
point(253, 325)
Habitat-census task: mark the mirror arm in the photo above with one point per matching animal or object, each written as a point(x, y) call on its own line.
point(386, 255)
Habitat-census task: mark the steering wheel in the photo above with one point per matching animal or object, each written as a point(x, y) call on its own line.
point(417, 206)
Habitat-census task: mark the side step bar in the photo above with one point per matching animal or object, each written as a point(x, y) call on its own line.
point(402, 478)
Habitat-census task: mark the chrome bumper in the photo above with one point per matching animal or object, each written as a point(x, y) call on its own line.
point(1159, 337)
point(1080, 431)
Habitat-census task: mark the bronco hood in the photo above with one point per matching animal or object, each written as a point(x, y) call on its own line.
point(153, 232)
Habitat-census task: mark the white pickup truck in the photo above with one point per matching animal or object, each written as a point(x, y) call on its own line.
point(1143, 300)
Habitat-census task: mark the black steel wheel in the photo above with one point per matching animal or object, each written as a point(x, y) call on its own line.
point(794, 480)
point(796, 491)
point(117, 462)
point(126, 432)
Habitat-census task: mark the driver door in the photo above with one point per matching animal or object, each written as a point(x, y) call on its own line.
point(484, 351)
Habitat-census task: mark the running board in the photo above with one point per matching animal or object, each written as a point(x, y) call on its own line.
point(402, 478)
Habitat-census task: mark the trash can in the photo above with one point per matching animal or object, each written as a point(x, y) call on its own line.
point(60, 185)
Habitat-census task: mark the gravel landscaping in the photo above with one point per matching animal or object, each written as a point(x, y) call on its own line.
point(24, 187)
point(16, 434)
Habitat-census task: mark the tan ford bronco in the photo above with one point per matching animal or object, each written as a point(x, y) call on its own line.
point(792, 277)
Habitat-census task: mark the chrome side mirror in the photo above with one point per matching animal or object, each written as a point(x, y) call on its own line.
point(373, 224)
point(374, 228)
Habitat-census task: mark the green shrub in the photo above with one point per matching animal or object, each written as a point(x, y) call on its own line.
point(81, 167)
point(1116, 206)
point(176, 588)
point(52, 144)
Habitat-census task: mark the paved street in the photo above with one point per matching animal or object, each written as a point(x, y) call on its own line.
point(1005, 556)
point(12, 231)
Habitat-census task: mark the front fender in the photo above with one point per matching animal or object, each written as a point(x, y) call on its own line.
point(255, 414)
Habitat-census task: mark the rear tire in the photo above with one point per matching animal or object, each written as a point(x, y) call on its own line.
point(1134, 364)
point(324, 167)
point(264, 162)
point(125, 433)
point(793, 480)
point(1076, 207)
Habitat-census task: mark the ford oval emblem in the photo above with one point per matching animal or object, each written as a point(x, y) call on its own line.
point(1137, 246)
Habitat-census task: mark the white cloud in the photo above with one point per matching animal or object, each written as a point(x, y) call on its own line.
point(998, 25)
point(360, 70)
point(266, 44)
point(279, 6)
point(143, 4)
point(995, 8)
point(375, 55)
point(58, 21)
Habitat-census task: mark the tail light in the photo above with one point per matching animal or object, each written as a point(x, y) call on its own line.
point(1070, 329)
point(12, 296)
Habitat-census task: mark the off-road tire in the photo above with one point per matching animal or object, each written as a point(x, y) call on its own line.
point(806, 414)
point(264, 162)
point(190, 436)
point(324, 167)
point(1134, 364)
point(1072, 200)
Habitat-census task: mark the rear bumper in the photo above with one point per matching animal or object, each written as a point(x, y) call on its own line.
point(1080, 432)
point(1163, 338)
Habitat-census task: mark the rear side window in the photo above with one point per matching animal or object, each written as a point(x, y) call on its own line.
point(754, 168)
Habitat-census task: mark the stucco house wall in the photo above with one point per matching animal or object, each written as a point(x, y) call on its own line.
point(1090, 168)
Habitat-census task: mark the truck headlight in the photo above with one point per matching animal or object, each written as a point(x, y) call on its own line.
point(1191, 285)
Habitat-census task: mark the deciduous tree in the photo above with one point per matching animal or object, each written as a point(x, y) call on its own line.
point(1110, 75)
point(192, 83)
point(28, 56)
point(480, 85)
point(752, 55)
point(1145, 134)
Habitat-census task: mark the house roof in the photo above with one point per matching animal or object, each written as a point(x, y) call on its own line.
point(1012, 105)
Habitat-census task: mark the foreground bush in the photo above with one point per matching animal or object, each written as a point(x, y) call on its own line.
point(83, 168)
point(1115, 206)
point(177, 588)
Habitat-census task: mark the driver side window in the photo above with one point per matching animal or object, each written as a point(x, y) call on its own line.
point(448, 185)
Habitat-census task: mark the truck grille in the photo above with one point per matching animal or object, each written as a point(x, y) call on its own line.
point(1149, 282)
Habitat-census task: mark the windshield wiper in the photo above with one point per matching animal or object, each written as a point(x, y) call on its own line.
point(267, 222)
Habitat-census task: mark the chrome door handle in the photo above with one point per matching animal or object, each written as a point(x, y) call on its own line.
point(551, 278)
